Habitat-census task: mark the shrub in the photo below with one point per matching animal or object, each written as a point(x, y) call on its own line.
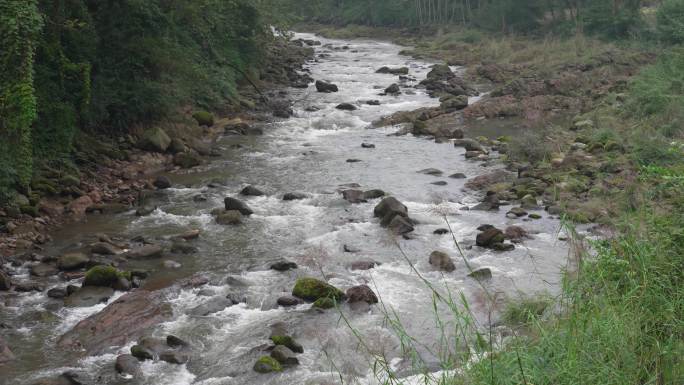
point(671, 21)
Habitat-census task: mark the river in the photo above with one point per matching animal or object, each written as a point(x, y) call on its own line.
point(323, 234)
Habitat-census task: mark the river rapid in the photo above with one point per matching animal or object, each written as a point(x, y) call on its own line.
point(322, 233)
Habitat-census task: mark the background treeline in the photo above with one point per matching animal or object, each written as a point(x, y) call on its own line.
point(71, 66)
point(612, 18)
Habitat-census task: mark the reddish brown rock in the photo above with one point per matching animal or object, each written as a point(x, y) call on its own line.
point(124, 320)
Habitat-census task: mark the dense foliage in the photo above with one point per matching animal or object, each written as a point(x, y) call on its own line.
point(106, 66)
point(612, 18)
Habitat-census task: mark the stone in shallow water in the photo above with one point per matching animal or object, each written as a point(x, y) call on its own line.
point(267, 364)
point(289, 300)
point(442, 261)
point(284, 355)
point(235, 204)
point(361, 293)
point(283, 265)
point(212, 306)
point(89, 296)
point(127, 364)
point(481, 274)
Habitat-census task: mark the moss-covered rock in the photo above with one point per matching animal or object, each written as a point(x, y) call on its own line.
point(204, 118)
point(155, 139)
point(324, 303)
point(312, 289)
point(267, 364)
point(288, 342)
point(103, 276)
point(186, 160)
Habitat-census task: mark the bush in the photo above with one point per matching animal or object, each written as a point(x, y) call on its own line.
point(204, 118)
point(671, 21)
point(659, 89)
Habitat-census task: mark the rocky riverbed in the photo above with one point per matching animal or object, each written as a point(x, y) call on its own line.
point(241, 268)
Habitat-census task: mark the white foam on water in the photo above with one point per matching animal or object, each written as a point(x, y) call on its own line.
point(70, 316)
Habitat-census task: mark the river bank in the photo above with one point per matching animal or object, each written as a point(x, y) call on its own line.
point(114, 174)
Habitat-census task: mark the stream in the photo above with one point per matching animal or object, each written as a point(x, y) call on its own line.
point(323, 234)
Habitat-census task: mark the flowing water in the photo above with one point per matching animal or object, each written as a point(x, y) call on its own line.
point(307, 153)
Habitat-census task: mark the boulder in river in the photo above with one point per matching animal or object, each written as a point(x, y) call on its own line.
point(251, 191)
point(458, 175)
point(235, 204)
point(311, 289)
point(367, 145)
point(283, 265)
point(489, 237)
point(346, 107)
point(393, 71)
point(104, 276)
point(363, 265)
point(455, 103)
point(481, 274)
point(373, 194)
point(288, 300)
point(284, 355)
point(393, 89)
point(162, 182)
point(469, 145)
point(322, 86)
point(400, 225)
point(142, 353)
point(431, 171)
point(267, 364)
point(353, 196)
point(442, 261)
point(485, 181)
point(294, 196)
point(361, 293)
point(175, 342)
point(515, 233)
point(126, 364)
point(279, 338)
point(390, 206)
point(121, 321)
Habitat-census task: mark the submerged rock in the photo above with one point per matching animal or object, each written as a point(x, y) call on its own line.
point(6, 354)
point(363, 265)
point(230, 217)
point(162, 182)
point(213, 305)
point(89, 296)
point(287, 341)
point(393, 71)
point(251, 191)
point(293, 196)
point(480, 274)
point(173, 357)
point(346, 107)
